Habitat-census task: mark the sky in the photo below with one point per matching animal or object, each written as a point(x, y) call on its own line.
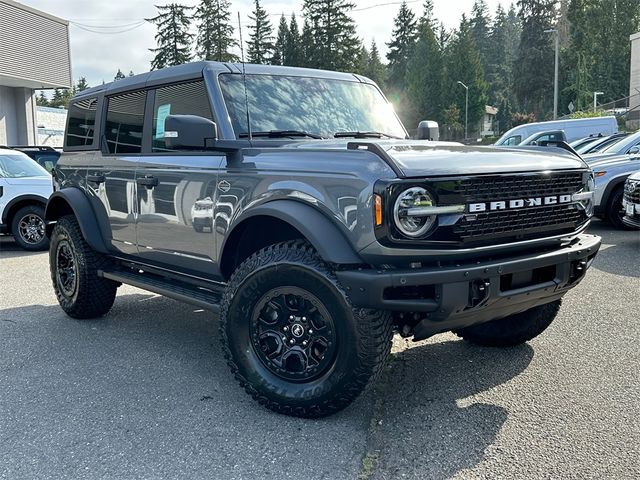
point(111, 35)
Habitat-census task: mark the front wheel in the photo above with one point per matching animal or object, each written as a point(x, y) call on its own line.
point(28, 228)
point(291, 336)
point(615, 212)
point(512, 330)
point(74, 266)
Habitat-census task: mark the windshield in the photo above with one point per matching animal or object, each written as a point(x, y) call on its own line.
point(318, 106)
point(623, 145)
point(18, 166)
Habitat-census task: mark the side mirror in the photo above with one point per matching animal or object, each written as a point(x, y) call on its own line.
point(189, 132)
point(634, 150)
point(428, 130)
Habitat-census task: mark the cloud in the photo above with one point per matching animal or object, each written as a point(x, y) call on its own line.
point(98, 56)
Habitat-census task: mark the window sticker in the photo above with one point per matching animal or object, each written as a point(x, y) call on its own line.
point(163, 112)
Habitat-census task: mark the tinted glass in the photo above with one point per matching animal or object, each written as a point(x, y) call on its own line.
point(182, 99)
point(123, 128)
point(315, 105)
point(19, 166)
point(623, 145)
point(82, 119)
point(515, 140)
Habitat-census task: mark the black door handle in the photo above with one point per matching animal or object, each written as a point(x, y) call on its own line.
point(96, 178)
point(148, 182)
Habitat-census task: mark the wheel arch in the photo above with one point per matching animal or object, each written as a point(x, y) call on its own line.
point(17, 203)
point(610, 188)
point(283, 220)
point(72, 201)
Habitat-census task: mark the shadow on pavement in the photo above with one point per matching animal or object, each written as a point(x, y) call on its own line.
point(145, 392)
point(10, 249)
point(428, 429)
point(620, 251)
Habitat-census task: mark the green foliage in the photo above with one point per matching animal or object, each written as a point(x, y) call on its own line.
point(480, 29)
point(280, 47)
point(42, 100)
point(401, 46)
point(173, 37)
point(82, 84)
point(260, 46)
point(504, 39)
point(119, 75)
point(589, 114)
point(375, 69)
point(293, 54)
point(335, 44)
point(215, 31)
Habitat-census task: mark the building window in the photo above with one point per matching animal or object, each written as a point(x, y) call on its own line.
point(182, 99)
point(125, 117)
point(81, 123)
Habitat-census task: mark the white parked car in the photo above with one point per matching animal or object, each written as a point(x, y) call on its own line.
point(24, 190)
point(631, 201)
point(573, 129)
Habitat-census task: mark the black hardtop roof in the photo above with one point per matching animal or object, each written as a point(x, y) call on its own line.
point(194, 70)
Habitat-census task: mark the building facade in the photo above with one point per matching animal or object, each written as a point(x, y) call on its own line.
point(633, 119)
point(34, 55)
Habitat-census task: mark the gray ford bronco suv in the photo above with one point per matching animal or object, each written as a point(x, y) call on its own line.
point(293, 203)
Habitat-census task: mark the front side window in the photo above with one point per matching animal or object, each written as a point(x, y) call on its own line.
point(318, 106)
point(81, 123)
point(123, 127)
point(20, 166)
point(515, 140)
point(180, 99)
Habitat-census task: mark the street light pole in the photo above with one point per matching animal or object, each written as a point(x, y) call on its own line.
point(595, 98)
point(555, 75)
point(466, 110)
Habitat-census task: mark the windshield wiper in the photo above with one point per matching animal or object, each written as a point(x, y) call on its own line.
point(359, 134)
point(280, 134)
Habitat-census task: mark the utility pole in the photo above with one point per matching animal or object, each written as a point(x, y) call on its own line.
point(466, 110)
point(595, 99)
point(555, 76)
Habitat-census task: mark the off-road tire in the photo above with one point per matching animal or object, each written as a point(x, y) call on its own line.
point(93, 296)
point(614, 209)
point(364, 336)
point(35, 210)
point(512, 330)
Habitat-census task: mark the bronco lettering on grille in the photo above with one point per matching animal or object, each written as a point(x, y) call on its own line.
point(518, 203)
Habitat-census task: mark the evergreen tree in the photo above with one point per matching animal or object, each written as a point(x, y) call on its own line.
point(119, 75)
point(480, 28)
point(58, 98)
point(82, 84)
point(280, 48)
point(308, 51)
point(260, 46)
point(42, 100)
point(463, 64)
point(173, 37)
point(533, 68)
point(403, 40)
point(131, 74)
point(215, 31)
point(504, 38)
point(375, 69)
point(293, 46)
point(336, 45)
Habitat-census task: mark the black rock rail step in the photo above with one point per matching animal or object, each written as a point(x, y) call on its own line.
point(206, 298)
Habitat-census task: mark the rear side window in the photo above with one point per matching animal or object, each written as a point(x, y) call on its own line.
point(123, 127)
point(181, 99)
point(81, 123)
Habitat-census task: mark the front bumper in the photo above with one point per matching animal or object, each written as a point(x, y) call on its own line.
point(632, 217)
point(453, 297)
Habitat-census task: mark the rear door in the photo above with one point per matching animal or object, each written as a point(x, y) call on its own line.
point(176, 190)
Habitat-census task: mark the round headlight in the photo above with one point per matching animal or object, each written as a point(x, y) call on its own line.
point(413, 225)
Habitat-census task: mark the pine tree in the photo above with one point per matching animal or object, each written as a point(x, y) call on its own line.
point(375, 69)
point(504, 38)
point(480, 21)
point(463, 64)
point(336, 45)
point(401, 46)
point(533, 68)
point(260, 46)
point(82, 84)
point(42, 100)
point(119, 75)
point(215, 31)
point(131, 74)
point(308, 50)
point(173, 37)
point(58, 98)
point(280, 48)
point(293, 47)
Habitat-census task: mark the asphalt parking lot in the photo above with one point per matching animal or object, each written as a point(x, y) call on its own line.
point(145, 393)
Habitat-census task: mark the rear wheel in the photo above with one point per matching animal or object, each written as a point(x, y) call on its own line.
point(615, 211)
point(28, 228)
point(74, 269)
point(291, 336)
point(512, 330)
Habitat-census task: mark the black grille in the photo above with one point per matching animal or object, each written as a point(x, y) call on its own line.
point(519, 186)
point(548, 219)
point(632, 191)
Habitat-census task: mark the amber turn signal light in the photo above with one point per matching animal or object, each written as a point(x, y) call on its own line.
point(377, 205)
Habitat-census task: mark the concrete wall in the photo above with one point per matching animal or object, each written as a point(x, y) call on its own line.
point(633, 120)
point(17, 116)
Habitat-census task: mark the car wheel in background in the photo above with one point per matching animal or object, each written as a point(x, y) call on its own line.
point(28, 228)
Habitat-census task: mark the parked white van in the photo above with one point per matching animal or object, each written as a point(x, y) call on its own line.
point(573, 129)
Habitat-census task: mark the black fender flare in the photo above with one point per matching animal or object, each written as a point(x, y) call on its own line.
point(22, 198)
point(75, 199)
point(611, 186)
point(330, 243)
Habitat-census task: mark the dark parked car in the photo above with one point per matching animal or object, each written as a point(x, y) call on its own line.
point(600, 143)
point(320, 229)
point(46, 156)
